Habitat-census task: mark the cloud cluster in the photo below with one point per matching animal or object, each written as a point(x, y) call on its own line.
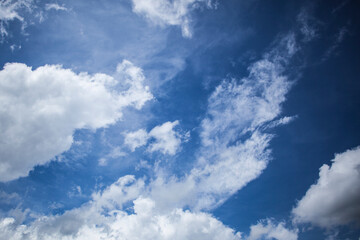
point(105, 218)
point(168, 12)
point(233, 151)
point(40, 109)
point(335, 198)
point(108, 216)
point(166, 139)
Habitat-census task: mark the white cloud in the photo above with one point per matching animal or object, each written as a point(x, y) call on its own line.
point(307, 25)
point(10, 10)
point(136, 139)
point(234, 150)
point(167, 12)
point(267, 230)
point(108, 216)
point(335, 198)
point(105, 218)
point(115, 152)
point(15, 47)
point(40, 109)
point(166, 139)
point(55, 6)
point(282, 121)
point(210, 183)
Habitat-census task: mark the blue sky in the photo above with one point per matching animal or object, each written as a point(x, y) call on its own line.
point(181, 119)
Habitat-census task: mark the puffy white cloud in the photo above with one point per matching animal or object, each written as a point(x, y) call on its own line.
point(108, 216)
point(266, 229)
point(335, 198)
point(40, 109)
point(104, 218)
point(169, 12)
point(166, 139)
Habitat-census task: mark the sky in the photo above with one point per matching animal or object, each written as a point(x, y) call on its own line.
point(179, 119)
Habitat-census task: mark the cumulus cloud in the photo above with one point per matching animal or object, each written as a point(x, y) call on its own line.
point(267, 230)
point(335, 198)
point(122, 212)
point(105, 218)
point(167, 12)
point(166, 139)
point(40, 109)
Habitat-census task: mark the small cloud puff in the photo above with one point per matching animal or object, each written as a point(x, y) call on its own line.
point(166, 139)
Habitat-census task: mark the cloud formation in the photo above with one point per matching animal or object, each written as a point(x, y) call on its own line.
point(335, 198)
point(105, 218)
point(267, 230)
point(167, 12)
point(234, 149)
point(55, 6)
point(40, 109)
point(10, 10)
point(166, 139)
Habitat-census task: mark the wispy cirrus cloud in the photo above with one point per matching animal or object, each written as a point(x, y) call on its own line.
point(173, 13)
point(11, 10)
point(234, 148)
point(55, 6)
